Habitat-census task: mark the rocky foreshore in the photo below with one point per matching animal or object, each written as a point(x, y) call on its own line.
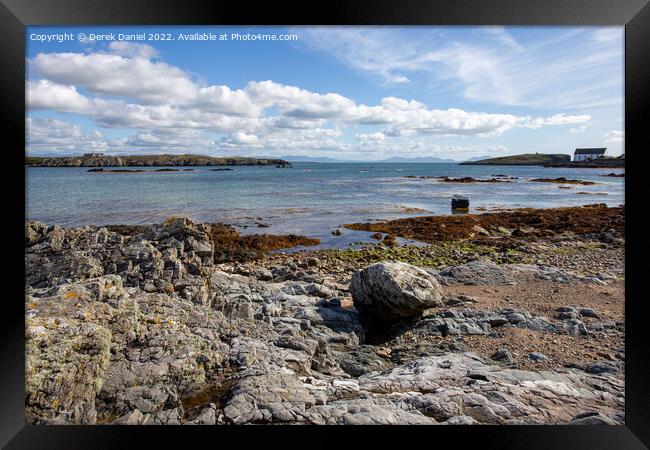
point(150, 161)
point(190, 323)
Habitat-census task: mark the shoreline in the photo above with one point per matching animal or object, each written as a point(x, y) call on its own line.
point(150, 161)
point(192, 323)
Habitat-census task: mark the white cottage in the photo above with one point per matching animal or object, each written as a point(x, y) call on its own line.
point(583, 154)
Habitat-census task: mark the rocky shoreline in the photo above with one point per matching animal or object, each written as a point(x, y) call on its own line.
point(191, 323)
point(150, 161)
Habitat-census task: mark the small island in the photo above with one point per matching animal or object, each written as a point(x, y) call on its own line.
point(101, 160)
point(529, 159)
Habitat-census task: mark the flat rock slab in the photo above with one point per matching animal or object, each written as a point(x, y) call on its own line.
point(479, 272)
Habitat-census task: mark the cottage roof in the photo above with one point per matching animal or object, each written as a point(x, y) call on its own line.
point(590, 151)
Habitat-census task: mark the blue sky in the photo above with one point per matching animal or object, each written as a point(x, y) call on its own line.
point(353, 93)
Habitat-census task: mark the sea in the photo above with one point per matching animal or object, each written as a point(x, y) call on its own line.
point(310, 199)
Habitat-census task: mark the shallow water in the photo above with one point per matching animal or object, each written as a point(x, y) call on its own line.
point(310, 198)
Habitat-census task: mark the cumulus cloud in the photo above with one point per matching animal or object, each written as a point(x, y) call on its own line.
point(371, 137)
point(44, 94)
point(52, 135)
point(127, 86)
point(557, 119)
point(298, 107)
point(239, 138)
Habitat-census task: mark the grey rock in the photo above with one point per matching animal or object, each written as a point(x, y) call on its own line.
point(136, 325)
point(588, 312)
point(503, 355)
point(600, 367)
point(268, 398)
point(361, 360)
point(394, 290)
point(536, 356)
point(461, 420)
point(478, 272)
point(575, 327)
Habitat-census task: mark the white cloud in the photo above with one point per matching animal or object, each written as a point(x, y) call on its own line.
point(132, 49)
point(371, 137)
point(111, 74)
point(43, 94)
point(128, 87)
point(298, 106)
point(239, 138)
point(131, 73)
point(609, 34)
point(578, 129)
point(574, 69)
point(53, 135)
point(614, 136)
point(503, 37)
point(557, 119)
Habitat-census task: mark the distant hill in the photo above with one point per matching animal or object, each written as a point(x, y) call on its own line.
point(300, 158)
point(531, 159)
point(478, 158)
point(421, 159)
point(394, 159)
point(150, 160)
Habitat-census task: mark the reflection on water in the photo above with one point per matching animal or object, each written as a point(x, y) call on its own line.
point(310, 199)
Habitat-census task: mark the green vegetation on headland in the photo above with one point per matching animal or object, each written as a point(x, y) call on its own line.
point(530, 159)
point(150, 160)
point(609, 163)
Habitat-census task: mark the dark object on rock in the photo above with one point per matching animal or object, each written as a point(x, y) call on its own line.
point(503, 355)
point(588, 312)
point(536, 356)
point(469, 180)
point(459, 300)
point(394, 290)
point(562, 180)
point(360, 361)
point(459, 202)
point(600, 367)
point(337, 232)
point(389, 241)
point(377, 236)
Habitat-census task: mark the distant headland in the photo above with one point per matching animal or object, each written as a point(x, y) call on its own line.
point(530, 159)
point(549, 160)
point(101, 160)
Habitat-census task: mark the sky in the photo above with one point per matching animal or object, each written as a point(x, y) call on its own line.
point(350, 93)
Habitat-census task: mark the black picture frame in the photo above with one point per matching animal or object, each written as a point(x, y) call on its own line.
point(15, 15)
